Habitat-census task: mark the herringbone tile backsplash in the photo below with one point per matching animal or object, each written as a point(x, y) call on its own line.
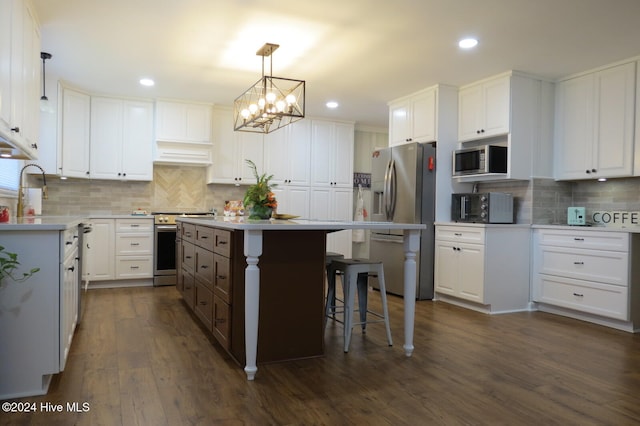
point(176, 188)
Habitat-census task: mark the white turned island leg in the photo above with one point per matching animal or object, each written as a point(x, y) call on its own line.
point(411, 246)
point(252, 250)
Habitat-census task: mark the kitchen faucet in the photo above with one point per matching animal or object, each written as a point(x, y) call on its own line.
point(20, 209)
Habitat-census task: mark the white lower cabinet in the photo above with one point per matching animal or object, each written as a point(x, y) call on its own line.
point(120, 249)
point(483, 267)
point(586, 274)
point(334, 204)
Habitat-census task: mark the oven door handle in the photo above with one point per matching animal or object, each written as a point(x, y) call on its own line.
point(166, 227)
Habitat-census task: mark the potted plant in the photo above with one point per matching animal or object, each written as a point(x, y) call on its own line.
point(8, 264)
point(259, 198)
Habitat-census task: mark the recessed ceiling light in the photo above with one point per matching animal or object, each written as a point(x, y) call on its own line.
point(332, 104)
point(147, 82)
point(468, 43)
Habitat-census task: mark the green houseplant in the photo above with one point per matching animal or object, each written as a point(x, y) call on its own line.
point(8, 264)
point(259, 198)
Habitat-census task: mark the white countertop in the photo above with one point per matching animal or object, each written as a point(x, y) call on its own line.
point(42, 223)
point(293, 224)
point(628, 229)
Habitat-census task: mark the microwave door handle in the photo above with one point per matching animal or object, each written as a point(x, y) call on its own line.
point(394, 190)
point(463, 207)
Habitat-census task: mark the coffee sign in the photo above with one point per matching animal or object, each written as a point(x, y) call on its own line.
point(616, 218)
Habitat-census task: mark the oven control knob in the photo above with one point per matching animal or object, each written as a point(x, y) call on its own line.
point(483, 206)
point(483, 215)
point(483, 198)
point(162, 219)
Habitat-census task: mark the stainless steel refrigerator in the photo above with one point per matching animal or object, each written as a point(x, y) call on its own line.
point(403, 185)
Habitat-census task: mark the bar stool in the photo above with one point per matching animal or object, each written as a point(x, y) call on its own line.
point(355, 275)
point(330, 304)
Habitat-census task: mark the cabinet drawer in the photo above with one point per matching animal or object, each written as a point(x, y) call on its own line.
point(599, 240)
point(188, 289)
point(609, 267)
point(222, 278)
point(221, 321)
point(188, 232)
point(204, 237)
point(188, 257)
point(134, 267)
point(463, 234)
point(595, 298)
point(204, 266)
point(134, 225)
point(222, 242)
point(204, 304)
point(136, 244)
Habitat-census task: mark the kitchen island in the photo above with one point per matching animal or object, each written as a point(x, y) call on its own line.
point(38, 316)
point(255, 232)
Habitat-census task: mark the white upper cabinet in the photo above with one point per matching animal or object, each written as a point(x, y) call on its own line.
point(19, 78)
point(331, 154)
point(74, 132)
point(413, 118)
point(287, 154)
point(183, 122)
point(121, 139)
point(484, 109)
point(594, 134)
point(231, 149)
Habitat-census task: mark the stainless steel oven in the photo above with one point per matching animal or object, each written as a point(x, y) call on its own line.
point(164, 260)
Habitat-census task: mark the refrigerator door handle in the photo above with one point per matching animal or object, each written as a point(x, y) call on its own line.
point(387, 190)
point(393, 185)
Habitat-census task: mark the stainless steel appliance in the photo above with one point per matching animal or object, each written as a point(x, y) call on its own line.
point(480, 160)
point(164, 245)
point(486, 207)
point(403, 183)
point(83, 246)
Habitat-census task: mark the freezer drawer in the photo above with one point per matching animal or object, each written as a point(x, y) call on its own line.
point(390, 250)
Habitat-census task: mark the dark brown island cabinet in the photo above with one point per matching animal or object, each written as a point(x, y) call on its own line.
point(211, 266)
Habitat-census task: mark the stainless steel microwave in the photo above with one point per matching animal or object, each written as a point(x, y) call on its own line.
point(486, 207)
point(480, 160)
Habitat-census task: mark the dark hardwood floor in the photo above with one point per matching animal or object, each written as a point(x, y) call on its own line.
point(140, 358)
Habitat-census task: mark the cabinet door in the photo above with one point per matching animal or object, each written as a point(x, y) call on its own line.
point(322, 153)
point(343, 155)
point(101, 253)
point(574, 128)
point(470, 103)
point(471, 268)
point(198, 123)
point(224, 150)
point(74, 133)
point(251, 148)
point(276, 155)
point(423, 117)
point(137, 140)
point(5, 65)
point(299, 153)
point(106, 138)
point(613, 153)
point(398, 123)
point(446, 268)
point(496, 94)
point(297, 201)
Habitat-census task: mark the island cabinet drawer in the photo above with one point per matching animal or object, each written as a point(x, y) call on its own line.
point(204, 237)
point(609, 267)
point(221, 321)
point(188, 289)
point(204, 304)
point(595, 298)
point(134, 267)
point(204, 267)
point(222, 277)
point(134, 225)
point(188, 232)
point(598, 240)
point(461, 234)
point(222, 242)
point(188, 257)
point(132, 243)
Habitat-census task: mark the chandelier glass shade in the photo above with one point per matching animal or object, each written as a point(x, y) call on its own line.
point(271, 103)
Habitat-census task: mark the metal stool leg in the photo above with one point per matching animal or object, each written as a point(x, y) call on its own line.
point(363, 291)
point(350, 283)
point(383, 295)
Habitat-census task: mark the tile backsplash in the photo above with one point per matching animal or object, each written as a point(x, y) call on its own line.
point(176, 188)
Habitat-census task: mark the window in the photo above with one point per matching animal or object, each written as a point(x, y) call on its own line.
point(9, 175)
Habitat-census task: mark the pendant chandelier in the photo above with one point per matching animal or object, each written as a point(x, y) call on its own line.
point(271, 103)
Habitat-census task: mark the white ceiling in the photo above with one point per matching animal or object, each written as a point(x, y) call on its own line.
point(362, 53)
